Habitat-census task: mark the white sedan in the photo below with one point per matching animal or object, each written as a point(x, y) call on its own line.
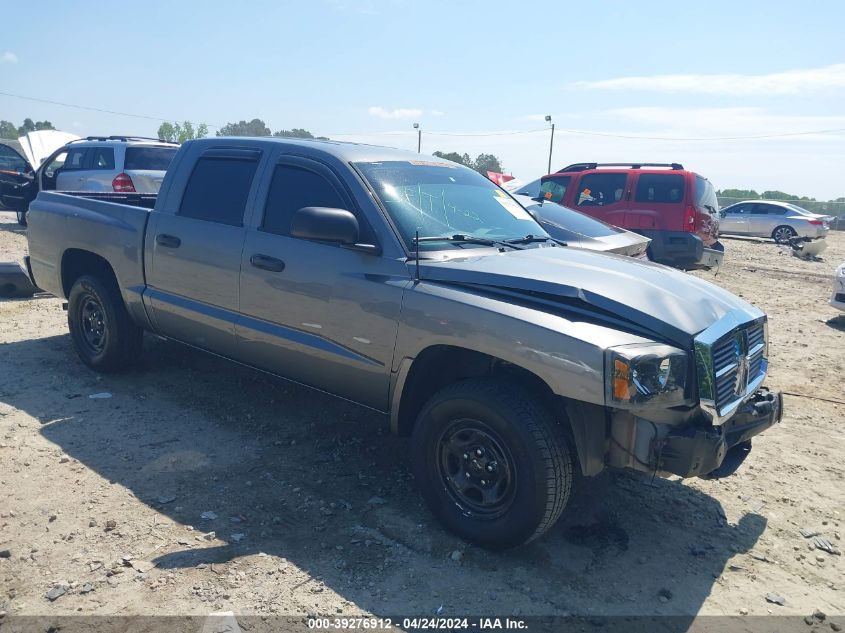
point(838, 298)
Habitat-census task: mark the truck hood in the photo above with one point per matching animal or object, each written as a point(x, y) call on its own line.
point(668, 303)
point(39, 145)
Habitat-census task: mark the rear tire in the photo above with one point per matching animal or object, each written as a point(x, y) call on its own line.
point(782, 234)
point(102, 331)
point(21, 217)
point(491, 462)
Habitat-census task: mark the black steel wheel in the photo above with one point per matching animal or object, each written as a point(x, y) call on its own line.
point(102, 331)
point(92, 320)
point(476, 468)
point(491, 462)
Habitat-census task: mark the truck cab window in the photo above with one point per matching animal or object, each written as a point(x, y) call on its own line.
point(218, 189)
point(293, 188)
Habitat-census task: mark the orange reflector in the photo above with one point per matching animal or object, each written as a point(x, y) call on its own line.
point(621, 381)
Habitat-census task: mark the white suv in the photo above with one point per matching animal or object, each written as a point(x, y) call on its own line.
point(122, 164)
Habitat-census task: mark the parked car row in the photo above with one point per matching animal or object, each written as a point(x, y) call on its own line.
point(96, 163)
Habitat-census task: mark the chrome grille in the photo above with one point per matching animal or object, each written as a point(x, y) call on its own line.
point(731, 364)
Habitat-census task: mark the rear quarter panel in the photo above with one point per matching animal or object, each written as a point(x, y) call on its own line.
point(59, 223)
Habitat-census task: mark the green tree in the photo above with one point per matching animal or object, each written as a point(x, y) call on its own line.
point(482, 164)
point(8, 130)
point(256, 127)
point(487, 162)
point(744, 194)
point(181, 132)
point(464, 159)
point(298, 133)
point(779, 195)
point(33, 126)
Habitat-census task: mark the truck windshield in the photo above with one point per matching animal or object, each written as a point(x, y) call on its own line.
point(439, 200)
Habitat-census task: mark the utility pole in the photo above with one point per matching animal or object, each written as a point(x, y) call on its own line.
point(551, 142)
point(419, 137)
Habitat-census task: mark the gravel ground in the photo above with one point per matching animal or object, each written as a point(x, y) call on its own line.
point(203, 486)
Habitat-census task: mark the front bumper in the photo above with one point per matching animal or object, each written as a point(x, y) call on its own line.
point(698, 452)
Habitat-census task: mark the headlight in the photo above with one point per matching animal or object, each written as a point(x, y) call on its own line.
point(646, 375)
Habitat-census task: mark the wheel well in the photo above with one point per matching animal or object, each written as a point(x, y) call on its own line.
point(76, 263)
point(440, 365)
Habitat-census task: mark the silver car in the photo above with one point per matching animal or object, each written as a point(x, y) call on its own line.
point(103, 164)
point(780, 221)
point(581, 231)
point(114, 164)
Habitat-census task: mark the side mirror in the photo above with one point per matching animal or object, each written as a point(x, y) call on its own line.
point(326, 225)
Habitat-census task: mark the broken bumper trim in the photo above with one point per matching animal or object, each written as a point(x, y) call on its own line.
point(697, 452)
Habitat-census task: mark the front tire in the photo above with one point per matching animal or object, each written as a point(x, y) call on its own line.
point(491, 462)
point(783, 234)
point(21, 217)
point(102, 331)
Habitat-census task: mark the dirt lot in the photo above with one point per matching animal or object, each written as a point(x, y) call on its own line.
point(202, 486)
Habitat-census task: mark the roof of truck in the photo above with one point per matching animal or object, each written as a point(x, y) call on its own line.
point(342, 150)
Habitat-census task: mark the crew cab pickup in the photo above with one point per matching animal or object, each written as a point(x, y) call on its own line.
point(417, 287)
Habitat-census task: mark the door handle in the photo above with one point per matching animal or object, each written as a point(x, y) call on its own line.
point(168, 241)
point(265, 262)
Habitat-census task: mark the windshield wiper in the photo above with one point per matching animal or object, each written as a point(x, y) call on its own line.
point(467, 239)
point(530, 239)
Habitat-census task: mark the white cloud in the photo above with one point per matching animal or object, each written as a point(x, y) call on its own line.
point(8, 57)
point(782, 83)
point(715, 122)
point(437, 113)
point(396, 113)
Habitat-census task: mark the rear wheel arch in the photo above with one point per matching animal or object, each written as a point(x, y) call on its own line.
point(78, 262)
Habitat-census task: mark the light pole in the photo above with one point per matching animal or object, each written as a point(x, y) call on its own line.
point(419, 137)
point(551, 142)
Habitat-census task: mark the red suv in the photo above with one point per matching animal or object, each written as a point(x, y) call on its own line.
point(674, 207)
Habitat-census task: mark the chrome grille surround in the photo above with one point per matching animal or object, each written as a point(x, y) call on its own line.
point(731, 360)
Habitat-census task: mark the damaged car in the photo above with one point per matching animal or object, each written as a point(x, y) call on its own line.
point(416, 287)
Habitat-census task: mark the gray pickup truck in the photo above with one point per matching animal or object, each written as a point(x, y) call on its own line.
point(418, 288)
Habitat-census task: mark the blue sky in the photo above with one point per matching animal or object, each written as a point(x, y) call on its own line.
point(365, 70)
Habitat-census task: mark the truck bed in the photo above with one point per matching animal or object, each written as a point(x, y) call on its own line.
point(108, 225)
point(145, 200)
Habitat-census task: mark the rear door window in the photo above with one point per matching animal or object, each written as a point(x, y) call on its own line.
point(767, 209)
point(149, 158)
point(738, 209)
point(77, 158)
point(660, 188)
point(599, 190)
point(218, 189)
point(103, 158)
